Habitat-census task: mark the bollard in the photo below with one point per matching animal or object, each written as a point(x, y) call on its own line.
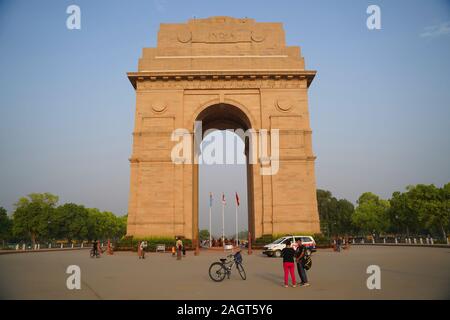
point(415, 241)
point(362, 241)
point(23, 247)
point(82, 245)
point(62, 246)
point(384, 240)
point(396, 241)
point(421, 241)
point(373, 240)
point(448, 241)
point(50, 245)
point(72, 245)
point(353, 241)
point(431, 240)
point(39, 246)
point(428, 240)
point(17, 246)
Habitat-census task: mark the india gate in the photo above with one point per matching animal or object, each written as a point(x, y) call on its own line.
point(228, 73)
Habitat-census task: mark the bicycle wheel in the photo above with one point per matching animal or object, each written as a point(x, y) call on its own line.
point(217, 272)
point(241, 270)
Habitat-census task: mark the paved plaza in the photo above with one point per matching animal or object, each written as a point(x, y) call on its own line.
point(406, 273)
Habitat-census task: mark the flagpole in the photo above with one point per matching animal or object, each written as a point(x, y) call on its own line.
point(210, 226)
point(237, 236)
point(223, 224)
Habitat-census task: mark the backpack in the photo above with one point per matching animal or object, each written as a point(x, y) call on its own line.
point(238, 257)
point(307, 262)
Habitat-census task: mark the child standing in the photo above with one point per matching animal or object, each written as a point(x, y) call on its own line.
point(288, 255)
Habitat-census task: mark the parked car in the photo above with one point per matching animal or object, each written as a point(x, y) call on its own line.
point(274, 249)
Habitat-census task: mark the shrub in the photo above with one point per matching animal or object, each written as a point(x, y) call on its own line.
point(265, 239)
point(321, 240)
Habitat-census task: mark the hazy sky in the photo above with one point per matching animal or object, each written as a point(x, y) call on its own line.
point(379, 105)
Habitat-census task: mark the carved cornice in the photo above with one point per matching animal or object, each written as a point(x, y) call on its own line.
point(262, 161)
point(229, 79)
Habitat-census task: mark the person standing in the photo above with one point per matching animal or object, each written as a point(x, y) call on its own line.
point(338, 244)
point(142, 247)
point(179, 246)
point(300, 255)
point(288, 254)
point(95, 248)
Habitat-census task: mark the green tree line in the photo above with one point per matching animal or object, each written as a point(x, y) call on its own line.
point(39, 218)
point(420, 209)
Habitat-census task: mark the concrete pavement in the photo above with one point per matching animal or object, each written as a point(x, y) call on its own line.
point(406, 273)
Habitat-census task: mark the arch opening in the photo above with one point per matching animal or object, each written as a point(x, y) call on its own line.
point(220, 142)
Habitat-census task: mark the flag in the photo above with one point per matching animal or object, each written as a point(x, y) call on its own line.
point(223, 199)
point(237, 199)
point(210, 200)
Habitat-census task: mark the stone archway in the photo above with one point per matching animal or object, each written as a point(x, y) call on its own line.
point(222, 116)
point(221, 61)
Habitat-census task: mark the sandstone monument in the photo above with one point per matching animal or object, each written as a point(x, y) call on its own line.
point(228, 73)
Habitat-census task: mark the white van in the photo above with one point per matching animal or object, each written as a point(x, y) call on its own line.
point(274, 249)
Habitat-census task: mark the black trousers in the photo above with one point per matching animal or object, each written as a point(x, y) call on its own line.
point(302, 272)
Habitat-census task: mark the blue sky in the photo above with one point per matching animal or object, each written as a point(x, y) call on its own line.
point(379, 105)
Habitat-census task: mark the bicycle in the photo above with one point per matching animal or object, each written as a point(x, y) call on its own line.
point(219, 270)
point(96, 254)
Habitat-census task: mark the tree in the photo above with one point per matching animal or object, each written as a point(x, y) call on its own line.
point(32, 215)
point(345, 210)
point(371, 213)
point(5, 225)
point(203, 234)
point(122, 230)
point(402, 216)
point(71, 221)
point(335, 215)
point(105, 225)
point(432, 205)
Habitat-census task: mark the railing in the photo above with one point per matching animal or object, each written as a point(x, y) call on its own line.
point(398, 240)
point(46, 246)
